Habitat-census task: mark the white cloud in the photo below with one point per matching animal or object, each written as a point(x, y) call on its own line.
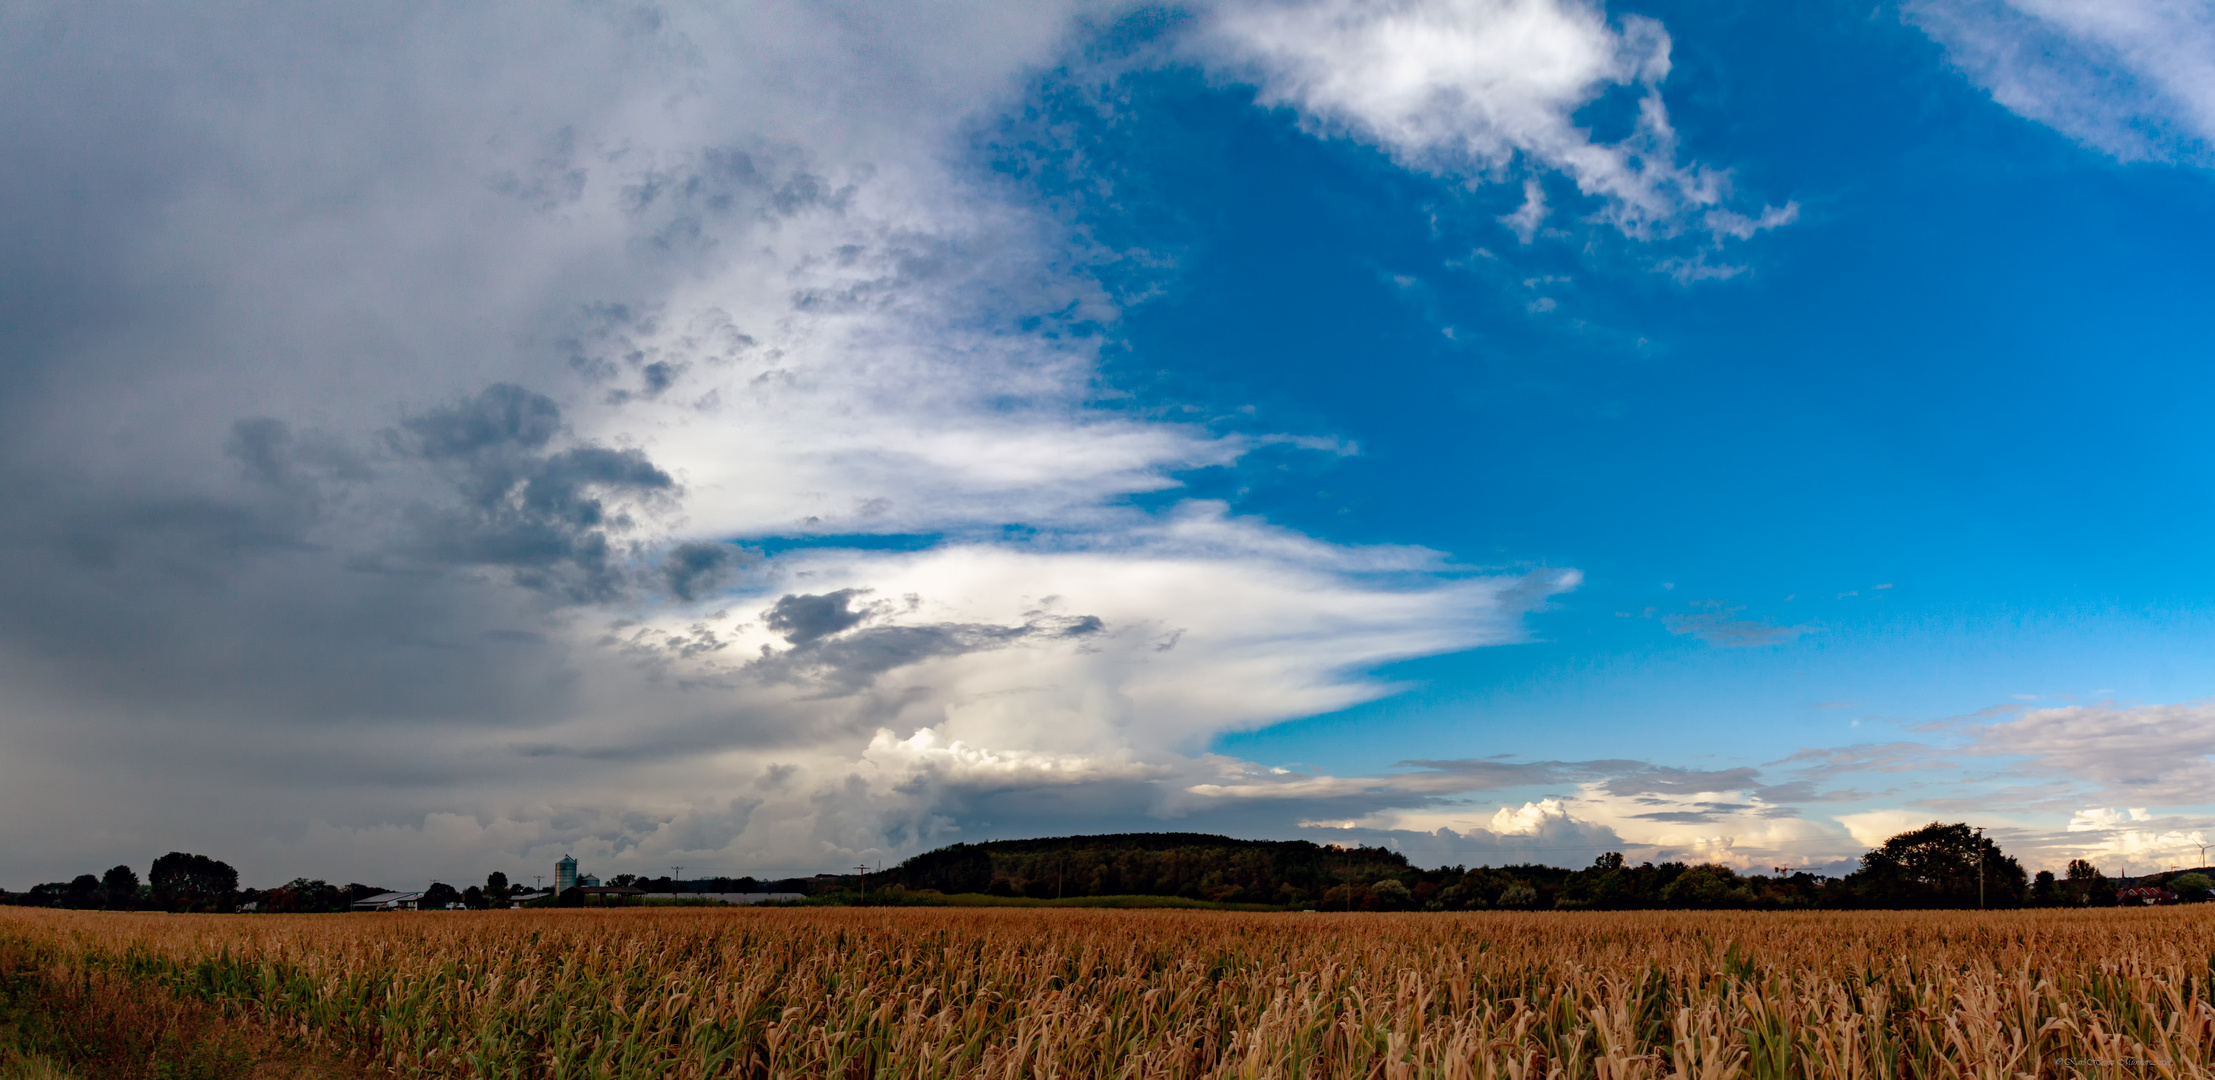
point(1732, 827)
point(1471, 87)
point(1873, 827)
point(1205, 623)
point(2102, 817)
point(2155, 753)
point(2132, 78)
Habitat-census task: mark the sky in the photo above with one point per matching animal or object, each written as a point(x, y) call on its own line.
point(771, 438)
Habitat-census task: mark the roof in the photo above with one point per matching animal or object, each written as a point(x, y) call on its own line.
point(390, 899)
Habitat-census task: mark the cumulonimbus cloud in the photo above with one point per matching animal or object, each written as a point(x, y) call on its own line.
point(398, 430)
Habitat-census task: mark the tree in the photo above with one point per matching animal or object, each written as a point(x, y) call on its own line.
point(437, 897)
point(1707, 886)
point(119, 888)
point(497, 892)
point(1393, 895)
point(185, 882)
point(1937, 866)
point(2044, 892)
point(84, 892)
point(300, 895)
point(2087, 887)
point(474, 898)
point(2192, 887)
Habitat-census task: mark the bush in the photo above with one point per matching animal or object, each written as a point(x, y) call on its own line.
point(1392, 895)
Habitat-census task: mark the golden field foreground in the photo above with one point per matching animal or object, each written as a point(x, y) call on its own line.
point(881, 992)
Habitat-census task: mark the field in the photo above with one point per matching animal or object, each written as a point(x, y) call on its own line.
point(1014, 993)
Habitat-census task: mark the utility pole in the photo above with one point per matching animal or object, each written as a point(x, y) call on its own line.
point(864, 884)
point(675, 872)
point(1980, 868)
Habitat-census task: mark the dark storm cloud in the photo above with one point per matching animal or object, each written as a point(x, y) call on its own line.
point(545, 517)
point(502, 416)
point(286, 296)
point(659, 376)
point(693, 570)
point(829, 652)
point(805, 617)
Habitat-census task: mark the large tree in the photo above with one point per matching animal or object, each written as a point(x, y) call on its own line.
point(303, 895)
point(185, 882)
point(1937, 866)
point(84, 892)
point(119, 887)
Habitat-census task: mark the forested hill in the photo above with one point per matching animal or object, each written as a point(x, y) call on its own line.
point(1195, 865)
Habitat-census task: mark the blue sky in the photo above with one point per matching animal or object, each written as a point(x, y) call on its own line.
point(1507, 429)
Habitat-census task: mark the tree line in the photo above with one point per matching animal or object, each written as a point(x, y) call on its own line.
point(1936, 866)
point(183, 882)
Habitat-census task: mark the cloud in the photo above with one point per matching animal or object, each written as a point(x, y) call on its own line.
point(1474, 87)
point(547, 516)
point(693, 570)
point(2131, 78)
point(419, 461)
point(1716, 625)
point(802, 619)
point(369, 377)
point(1872, 828)
point(1489, 774)
point(1832, 761)
point(2148, 753)
point(1572, 829)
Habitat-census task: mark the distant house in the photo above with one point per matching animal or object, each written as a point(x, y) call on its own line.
point(2145, 895)
point(391, 901)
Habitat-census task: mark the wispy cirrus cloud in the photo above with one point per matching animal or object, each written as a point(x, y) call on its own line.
point(2131, 78)
point(1717, 623)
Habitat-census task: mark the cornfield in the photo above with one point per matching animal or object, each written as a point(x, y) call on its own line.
point(923, 993)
